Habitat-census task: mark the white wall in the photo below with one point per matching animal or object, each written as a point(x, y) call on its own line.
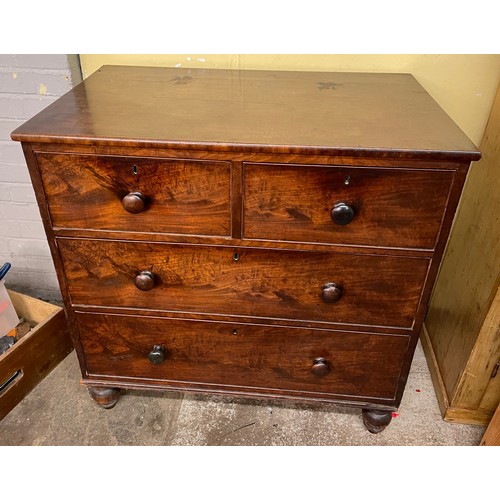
point(28, 83)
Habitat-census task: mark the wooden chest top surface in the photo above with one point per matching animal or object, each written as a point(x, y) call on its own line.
point(360, 114)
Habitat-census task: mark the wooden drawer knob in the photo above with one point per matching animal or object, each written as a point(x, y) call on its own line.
point(320, 368)
point(157, 355)
point(145, 281)
point(331, 292)
point(134, 203)
point(342, 214)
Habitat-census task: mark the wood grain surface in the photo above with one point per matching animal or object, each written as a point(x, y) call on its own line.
point(398, 208)
point(219, 276)
point(85, 191)
point(492, 435)
point(260, 283)
point(463, 317)
point(242, 355)
point(381, 115)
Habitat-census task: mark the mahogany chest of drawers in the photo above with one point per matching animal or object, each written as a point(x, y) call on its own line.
point(255, 233)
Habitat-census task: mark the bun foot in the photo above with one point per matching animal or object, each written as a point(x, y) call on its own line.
point(104, 396)
point(376, 420)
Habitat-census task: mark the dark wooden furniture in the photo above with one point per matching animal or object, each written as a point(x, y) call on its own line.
point(254, 233)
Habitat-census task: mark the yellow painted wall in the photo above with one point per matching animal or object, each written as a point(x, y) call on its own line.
point(464, 85)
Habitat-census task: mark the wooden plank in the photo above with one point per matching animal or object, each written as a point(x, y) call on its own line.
point(34, 311)
point(469, 275)
point(485, 355)
point(491, 397)
point(479, 416)
point(471, 417)
point(492, 435)
point(236, 199)
point(432, 363)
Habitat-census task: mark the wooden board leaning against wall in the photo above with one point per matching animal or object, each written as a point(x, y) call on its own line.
point(461, 335)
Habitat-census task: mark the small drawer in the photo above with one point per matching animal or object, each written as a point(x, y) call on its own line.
point(137, 194)
point(174, 351)
point(292, 285)
point(341, 205)
point(34, 356)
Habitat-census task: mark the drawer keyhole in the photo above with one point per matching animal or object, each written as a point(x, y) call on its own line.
point(236, 256)
point(134, 169)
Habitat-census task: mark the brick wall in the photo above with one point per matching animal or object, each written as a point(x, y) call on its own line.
point(28, 83)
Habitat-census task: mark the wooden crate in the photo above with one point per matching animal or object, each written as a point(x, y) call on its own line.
point(461, 333)
point(35, 355)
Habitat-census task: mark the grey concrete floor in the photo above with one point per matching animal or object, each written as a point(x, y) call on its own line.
point(59, 411)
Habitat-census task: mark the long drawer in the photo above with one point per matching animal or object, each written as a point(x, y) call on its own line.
point(341, 205)
point(137, 193)
point(245, 356)
point(293, 285)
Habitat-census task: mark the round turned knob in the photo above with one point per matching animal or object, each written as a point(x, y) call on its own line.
point(134, 203)
point(320, 367)
point(157, 355)
point(331, 292)
point(145, 280)
point(342, 213)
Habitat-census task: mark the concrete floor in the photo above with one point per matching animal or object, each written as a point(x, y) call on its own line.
point(60, 412)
